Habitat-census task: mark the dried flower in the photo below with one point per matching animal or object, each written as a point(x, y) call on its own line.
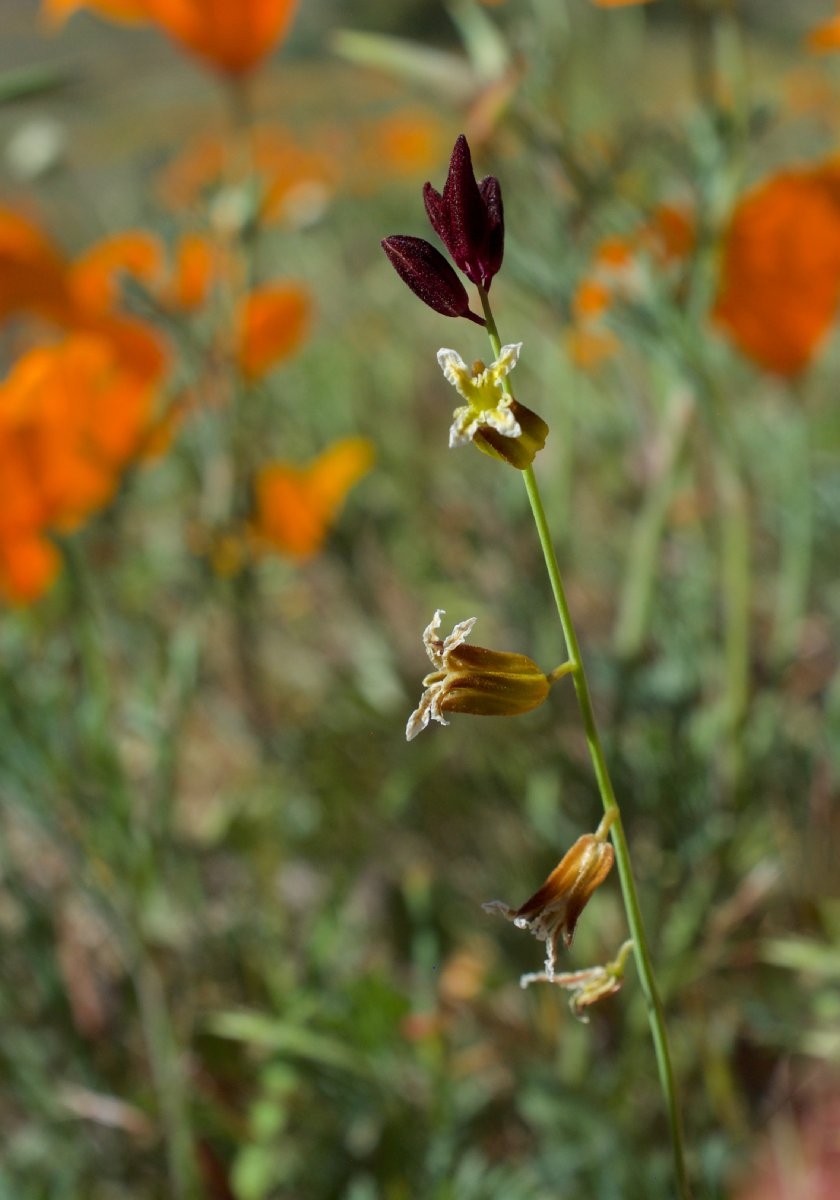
point(587, 986)
point(470, 679)
point(429, 275)
point(468, 217)
point(553, 910)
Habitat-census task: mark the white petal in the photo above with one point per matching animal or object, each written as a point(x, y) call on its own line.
point(458, 635)
point(419, 719)
point(431, 641)
point(507, 360)
point(455, 370)
point(465, 422)
point(503, 421)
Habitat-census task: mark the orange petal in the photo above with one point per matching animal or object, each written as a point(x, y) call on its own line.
point(193, 273)
point(28, 567)
point(295, 506)
point(825, 38)
point(133, 11)
point(618, 3)
point(32, 270)
point(94, 276)
point(780, 275)
point(274, 321)
point(591, 299)
point(231, 35)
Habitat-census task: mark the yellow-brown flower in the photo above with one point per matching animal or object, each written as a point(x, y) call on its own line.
point(471, 679)
point(553, 910)
point(589, 985)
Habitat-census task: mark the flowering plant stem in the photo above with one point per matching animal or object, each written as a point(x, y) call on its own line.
point(641, 950)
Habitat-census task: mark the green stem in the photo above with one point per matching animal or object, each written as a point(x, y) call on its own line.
point(735, 571)
point(641, 950)
point(796, 541)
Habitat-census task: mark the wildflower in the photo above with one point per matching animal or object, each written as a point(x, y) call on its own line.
point(295, 506)
point(497, 423)
point(825, 37)
point(274, 321)
point(72, 418)
point(553, 910)
point(233, 38)
point(429, 275)
point(587, 986)
point(470, 679)
point(780, 274)
point(468, 217)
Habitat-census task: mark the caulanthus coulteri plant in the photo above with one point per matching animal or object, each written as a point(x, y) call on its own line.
point(468, 217)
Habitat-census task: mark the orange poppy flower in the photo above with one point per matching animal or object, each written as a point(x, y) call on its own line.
point(295, 506)
point(94, 276)
point(295, 179)
point(117, 10)
point(32, 270)
point(72, 416)
point(274, 321)
point(825, 37)
point(193, 271)
point(231, 35)
point(780, 274)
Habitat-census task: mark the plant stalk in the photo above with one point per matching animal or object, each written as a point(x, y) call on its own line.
point(641, 950)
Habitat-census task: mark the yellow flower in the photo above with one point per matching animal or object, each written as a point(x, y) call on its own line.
point(488, 404)
point(471, 679)
point(553, 910)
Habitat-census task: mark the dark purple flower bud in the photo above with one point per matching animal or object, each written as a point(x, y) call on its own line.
point(468, 217)
point(491, 194)
point(429, 275)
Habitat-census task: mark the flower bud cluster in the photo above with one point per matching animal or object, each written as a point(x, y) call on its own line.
point(468, 217)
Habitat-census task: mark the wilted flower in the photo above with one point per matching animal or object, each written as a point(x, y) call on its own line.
point(468, 217)
point(587, 986)
point(470, 679)
point(429, 275)
point(553, 910)
point(491, 418)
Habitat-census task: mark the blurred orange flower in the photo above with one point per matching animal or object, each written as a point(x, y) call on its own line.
point(618, 3)
point(72, 416)
point(780, 273)
point(273, 321)
point(295, 506)
point(231, 35)
point(94, 276)
point(297, 180)
point(194, 268)
point(825, 37)
point(622, 268)
point(32, 270)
